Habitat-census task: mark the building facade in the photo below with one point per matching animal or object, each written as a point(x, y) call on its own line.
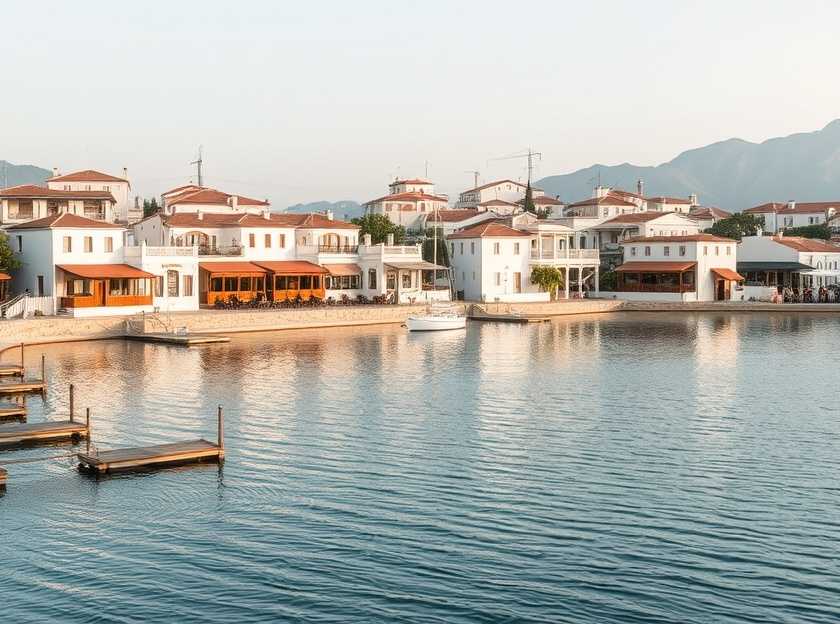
point(779, 216)
point(20, 204)
point(89, 180)
point(408, 203)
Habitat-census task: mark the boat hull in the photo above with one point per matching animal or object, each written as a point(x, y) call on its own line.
point(435, 323)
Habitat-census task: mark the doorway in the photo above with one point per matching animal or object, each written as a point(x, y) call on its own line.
point(721, 290)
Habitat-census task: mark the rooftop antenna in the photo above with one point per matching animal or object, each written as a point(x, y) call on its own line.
point(530, 155)
point(475, 177)
point(427, 170)
point(198, 167)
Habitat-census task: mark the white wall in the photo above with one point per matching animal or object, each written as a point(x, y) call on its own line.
point(476, 265)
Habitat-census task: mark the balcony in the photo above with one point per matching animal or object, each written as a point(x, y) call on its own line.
point(328, 249)
point(565, 254)
point(229, 250)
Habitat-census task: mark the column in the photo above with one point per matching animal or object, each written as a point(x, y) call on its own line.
point(597, 280)
point(567, 282)
point(580, 281)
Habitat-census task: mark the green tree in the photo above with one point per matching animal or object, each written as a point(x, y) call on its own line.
point(379, 226)
point(738, 226)
point(150, 207)
point(608, 280)
point(549, 279)
point(8, 259)
point(810, 231)
point(528, 202)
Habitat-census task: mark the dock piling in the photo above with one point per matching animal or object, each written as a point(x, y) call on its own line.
point(21, 359)
point(71, 403)
point(44, 372)
point(221, 432)
point(87, 427)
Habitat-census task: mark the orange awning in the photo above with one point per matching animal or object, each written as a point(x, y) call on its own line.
point(4, 276)
point(655, 267)
point(238, 268)
point(292, 267)
point(728, 274)
point(343, 269)
point(104, 271)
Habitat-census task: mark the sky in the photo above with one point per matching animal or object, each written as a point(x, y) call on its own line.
point(317, 100)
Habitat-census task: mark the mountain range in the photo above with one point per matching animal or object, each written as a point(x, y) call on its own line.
point(732, 174)
point(14, 175)
point(344, 210)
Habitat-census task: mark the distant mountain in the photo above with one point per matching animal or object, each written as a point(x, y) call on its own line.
point(344, 210)
point(732, 174)
point(15, 175)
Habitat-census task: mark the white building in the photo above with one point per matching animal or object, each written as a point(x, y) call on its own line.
point(449, 221)
point(90, 180)
point(671, 204)
point(778, 216)
point(788, 261)
point(698, 267)
point(207, 200)
point(492, 261)
point(505, 190)
point(408, 203)
point(83, 267)
point(19, 204)
point(707, 216)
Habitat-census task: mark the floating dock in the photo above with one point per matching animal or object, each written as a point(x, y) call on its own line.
point(13, 370)
point(42, 432)
point(24, 387)
point(174, 453)
point(3, 476)
point(184, 340)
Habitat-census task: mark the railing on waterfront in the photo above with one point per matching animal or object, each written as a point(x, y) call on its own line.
point(230, 250)
point(564, 254)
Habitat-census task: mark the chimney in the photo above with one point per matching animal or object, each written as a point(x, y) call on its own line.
point(367, 240)
point(389, 240)
point(55, 172)
point(125, 173)
point(791, 204)
point(234, 202)
point(640, 187)
point(330, 215)
point(266, 214)
point(693, 199)
point(200, 215)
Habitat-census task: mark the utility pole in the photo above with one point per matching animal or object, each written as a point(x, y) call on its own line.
point(198, 166)
point(530, 155)
point(426, 176)
point(475, 177)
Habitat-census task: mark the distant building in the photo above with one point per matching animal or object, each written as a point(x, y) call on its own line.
point(19, 204)
point(408, 203)
point(788, 261)
point(90, 180)
point(193, 199)
point(505, 190)
point(707, 216)
point(779, 216)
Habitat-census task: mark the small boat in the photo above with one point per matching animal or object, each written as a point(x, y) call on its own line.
point(437, 319)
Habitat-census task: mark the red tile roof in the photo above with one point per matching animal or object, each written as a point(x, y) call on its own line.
point(608, 200)
point(414, 196)
point(490, 229)
point(245, 219)
point(413, 181)
point(179, 189)
point(543, 199)
point(499, 202)
point(39, 192)
point(212, 197)
point(798, 208)
point(708, 212)
point(728, 274)
point(637, 217)
point(640, 266)
point(454, 216)
point(88, 175)
point(807, 244)
point(65, 220)
point(688, 238)
point(101, 271)
point(668, 200)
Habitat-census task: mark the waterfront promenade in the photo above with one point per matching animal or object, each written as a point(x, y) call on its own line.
point(65, 329)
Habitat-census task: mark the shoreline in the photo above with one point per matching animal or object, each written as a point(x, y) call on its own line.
point(56, 329)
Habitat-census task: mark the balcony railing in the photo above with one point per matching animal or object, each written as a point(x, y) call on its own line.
point(564, 254)
point(230, 250)
point(170, 251)
point(332, 249)
point(660, 288)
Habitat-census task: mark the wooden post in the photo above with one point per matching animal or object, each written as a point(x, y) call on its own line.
point(71, 402)
point(221, 430)
point(44, 372)
point(87, 427)
point(21, 360)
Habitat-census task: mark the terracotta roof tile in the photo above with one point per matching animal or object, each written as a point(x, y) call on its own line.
point(668, 200)
point(608, 200)
point(637, 217)
point(807, 244)
point(490, 229)
point(65, 220)
point(244, 219)
point(414, 196)
point(454, 216)
point(38, 192)
point(88, 175)
point(100, 271)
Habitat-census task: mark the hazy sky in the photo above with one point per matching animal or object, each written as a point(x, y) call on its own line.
point(302, 101)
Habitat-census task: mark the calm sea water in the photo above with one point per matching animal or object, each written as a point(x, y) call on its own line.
point(628, 468)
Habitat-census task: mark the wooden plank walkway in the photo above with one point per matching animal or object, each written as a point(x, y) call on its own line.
point(189, 340)
point(13, 412)
point(190, 451)
point(11, 370)
point(42, 432)
point(22, 387)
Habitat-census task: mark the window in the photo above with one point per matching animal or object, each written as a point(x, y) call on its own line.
point(159, 286)
point(497, 249)
point(705, 250)
point(667, 250)
point(109, 244)
point(632, 251)
point(472, 247)
point(728, 250)
point(172, 283)
point(462, 249)
point(106, 188)
point(582, 242)
point(40, 288)
point(497, 279)
point(281, 241)
point(463, 276)
point(647, 251)
point(406, 280)
point(516, 249)
point(252, 240)
point(451, 249)
point(88, 244)
point(20, 243)
point(231, 284)
point(67, 244)
point(682, 250)
point(717, 250)
point(188, 285)
point(268, 241)
point(473, 275)
point(371, 278)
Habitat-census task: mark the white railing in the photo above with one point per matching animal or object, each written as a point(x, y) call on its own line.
point(172, 251)
point(27, 306)
point(403, 249)
point(565, 254)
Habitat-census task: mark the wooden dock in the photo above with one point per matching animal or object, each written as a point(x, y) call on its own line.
point(174, 453)
point(3, 477)
point(13, 412)
point(23, 386)
point(184, 340)
point(14, 370)
point(50, 431)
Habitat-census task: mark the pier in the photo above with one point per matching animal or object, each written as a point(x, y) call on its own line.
point(174, 453)
point(49, 431)
point(13, 412)
point(184, 340)
point(13, 370)
point(24, 386)
point(478, 313)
